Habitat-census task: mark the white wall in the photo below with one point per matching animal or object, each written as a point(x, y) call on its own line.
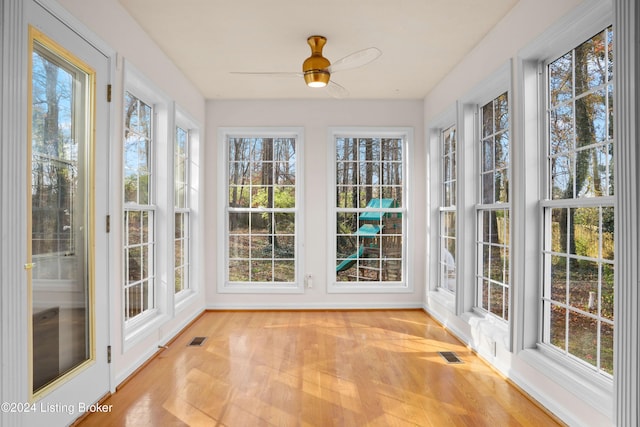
point(113, 24)
point(527, 19)
point(316, 117)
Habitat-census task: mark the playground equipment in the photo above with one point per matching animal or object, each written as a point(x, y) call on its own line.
point(379, 244)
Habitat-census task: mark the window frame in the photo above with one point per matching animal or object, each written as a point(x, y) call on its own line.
point(224, 284)
point(188, 124)
point(464, 302)
point(494, 206)
point(149, 209)
point(405, 285)
point(135, 329)
point(446, 208)
point(547, 204)
point(529, 163)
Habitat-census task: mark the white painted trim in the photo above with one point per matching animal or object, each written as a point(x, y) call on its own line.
point(586, 385)
point(541, 396)
point(13, 225)
point(570, 30)
point(627, 295)
point(53, 7)
point(314, 306)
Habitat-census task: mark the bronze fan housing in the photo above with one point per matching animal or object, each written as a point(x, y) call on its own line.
point(315, 67)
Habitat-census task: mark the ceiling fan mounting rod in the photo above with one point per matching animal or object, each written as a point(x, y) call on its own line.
point(315, 66)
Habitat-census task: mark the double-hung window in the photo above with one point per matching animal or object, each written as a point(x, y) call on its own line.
point(492, 210)
point(448, 191)
point(262, 211)
point(139, 209)
point(182, 212)
point(578, 212)
point(370, 202)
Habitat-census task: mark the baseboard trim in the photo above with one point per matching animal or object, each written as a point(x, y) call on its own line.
point(296, 306)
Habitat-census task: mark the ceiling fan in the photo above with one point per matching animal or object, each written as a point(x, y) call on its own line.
point(317, 70)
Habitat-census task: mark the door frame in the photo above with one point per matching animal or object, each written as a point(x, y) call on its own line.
point(15, 17)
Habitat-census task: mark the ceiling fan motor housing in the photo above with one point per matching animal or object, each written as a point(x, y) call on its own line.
point(315, 66)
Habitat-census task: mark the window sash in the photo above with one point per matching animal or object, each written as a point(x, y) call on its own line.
point(370, 237)
point(182, 236)
point(577, 294)
point(258, 251)
point(493, 243)
point(448, 199)
point(139, 261)
point(139, 252)
point(182, 252)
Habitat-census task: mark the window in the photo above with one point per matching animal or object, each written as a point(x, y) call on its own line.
point(449, 174)
point(139, 238)
point(578, 211)
point(370, 210)
point(262, 211)
point(493, 213)
point(181, 210)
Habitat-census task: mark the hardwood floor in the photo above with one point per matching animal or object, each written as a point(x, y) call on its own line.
point(317, 368)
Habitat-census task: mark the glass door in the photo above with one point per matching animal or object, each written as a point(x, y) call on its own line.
point(61, 274)
point(67, 188)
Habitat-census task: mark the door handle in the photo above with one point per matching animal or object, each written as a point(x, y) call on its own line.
point(29, 265)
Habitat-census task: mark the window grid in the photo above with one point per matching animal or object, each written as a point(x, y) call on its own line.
point(181, 211)
point(369, 210)
point(493, 211)
point(261, 211)
point(139, 238)
point(578, 214)
point(449, 176)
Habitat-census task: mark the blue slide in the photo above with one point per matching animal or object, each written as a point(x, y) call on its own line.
point(348, 263)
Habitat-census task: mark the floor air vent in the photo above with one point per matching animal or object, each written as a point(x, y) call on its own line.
point(197, 342)
point(450, 356)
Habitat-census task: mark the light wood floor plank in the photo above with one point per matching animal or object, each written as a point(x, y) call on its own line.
point(318, 368)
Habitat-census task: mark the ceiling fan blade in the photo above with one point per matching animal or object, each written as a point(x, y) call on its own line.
point(269, 73)
point(355, 59)
point(336, 91)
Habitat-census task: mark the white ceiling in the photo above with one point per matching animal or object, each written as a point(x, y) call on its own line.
point(420, 40)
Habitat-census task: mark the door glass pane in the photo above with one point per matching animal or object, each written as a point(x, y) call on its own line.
point(59, 207)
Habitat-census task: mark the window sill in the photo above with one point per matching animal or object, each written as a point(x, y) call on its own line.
point(589, 386)
point(142, 328)
point(443, 298)
point(183, 299)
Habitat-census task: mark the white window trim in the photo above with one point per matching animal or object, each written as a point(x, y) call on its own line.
point(137, 329)
point(223, 159)
point(406, 285)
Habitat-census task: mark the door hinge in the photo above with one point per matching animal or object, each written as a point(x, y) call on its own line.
point(108, 93)
point(108, 354)
point(108, 224)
